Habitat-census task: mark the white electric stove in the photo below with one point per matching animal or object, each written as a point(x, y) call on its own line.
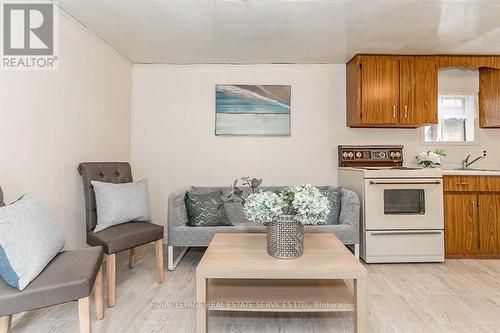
point(401, 207)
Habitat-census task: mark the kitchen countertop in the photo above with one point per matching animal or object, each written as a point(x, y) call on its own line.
point(451, 172)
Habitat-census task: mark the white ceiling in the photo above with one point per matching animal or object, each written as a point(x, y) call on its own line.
point(287, 31)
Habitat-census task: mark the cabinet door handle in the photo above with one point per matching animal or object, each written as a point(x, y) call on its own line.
point(463, 184)
point(406, 111)
point(394, 111)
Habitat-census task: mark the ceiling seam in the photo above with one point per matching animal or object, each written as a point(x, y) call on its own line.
point(220, 31)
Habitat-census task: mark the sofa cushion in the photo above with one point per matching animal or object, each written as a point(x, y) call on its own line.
point(187, 236)
point(29, 239)
point(68, 277)
point(235, 213)
point(125, 236)
point(234, 209)
point(120, 203)
point(334, 196)
point(206, 209)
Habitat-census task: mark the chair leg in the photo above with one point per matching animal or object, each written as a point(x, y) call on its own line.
point(5, 322)
point(159, 260)
point(84, 315)
point(111, 280)
point(131, 257)
point(99, 303)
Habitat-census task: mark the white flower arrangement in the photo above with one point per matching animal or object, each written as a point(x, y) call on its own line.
point(306, 202)
point(431, 159)
point(263, 207)
point(310, 206)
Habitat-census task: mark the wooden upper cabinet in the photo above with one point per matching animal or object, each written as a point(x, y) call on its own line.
point(418, 91)
point(425, 104)
point(379, 90)
point(391, 91)
point(489, 97)
point(407, 91)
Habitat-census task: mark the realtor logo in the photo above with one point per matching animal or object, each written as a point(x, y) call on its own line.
point(28, 36)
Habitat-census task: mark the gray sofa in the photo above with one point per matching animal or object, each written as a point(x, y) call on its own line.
point(182, 236)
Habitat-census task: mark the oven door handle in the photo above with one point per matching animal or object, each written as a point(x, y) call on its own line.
point(436, 182)
point(380, 233)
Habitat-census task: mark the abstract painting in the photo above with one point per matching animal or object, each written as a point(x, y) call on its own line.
point(252, 109)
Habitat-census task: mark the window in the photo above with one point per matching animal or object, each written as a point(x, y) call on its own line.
point(457, 108)
point(456, 118)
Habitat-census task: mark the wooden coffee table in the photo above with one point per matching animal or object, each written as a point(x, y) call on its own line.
point(237, 274)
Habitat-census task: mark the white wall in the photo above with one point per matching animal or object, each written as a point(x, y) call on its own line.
point(52, 120)
point(173, 141)
point(455, 81)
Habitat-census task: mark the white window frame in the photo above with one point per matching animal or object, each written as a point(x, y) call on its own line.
point(452, 143)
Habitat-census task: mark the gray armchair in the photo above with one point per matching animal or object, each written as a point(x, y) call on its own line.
point(121, 237)
point(70, 276)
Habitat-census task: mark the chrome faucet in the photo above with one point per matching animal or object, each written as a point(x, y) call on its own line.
point(466, 164)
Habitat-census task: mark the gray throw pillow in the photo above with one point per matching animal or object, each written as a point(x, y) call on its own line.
point(29, 239)
point(334, 196)
point(120, 203)
point(206, 209)
point(234, 209)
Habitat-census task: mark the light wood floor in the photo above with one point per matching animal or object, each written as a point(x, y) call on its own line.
point(457, 296)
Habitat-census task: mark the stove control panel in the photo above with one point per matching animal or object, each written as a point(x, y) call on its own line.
point(370, 156)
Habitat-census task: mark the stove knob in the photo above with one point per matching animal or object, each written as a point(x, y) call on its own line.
point(382, 154)
point(345, 155)
point(392, 154)
point(351, 155)
point(358, 154)
point(398, 154)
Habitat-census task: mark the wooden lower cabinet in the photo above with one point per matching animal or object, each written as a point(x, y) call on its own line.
point(472, 218)
point(461, 227)
point(489, 223)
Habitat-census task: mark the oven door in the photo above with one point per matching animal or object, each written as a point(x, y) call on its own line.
point(403, 204)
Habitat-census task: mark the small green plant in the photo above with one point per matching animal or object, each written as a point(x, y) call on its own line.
point(237, 194)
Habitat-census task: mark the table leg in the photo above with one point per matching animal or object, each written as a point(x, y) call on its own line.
point(201, 310)
point(360, 308)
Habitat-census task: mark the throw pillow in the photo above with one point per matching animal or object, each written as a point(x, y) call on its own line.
point(120, 203)
point(206, 209)
point(234, 209)
point(334, 196)
point(29, 239)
